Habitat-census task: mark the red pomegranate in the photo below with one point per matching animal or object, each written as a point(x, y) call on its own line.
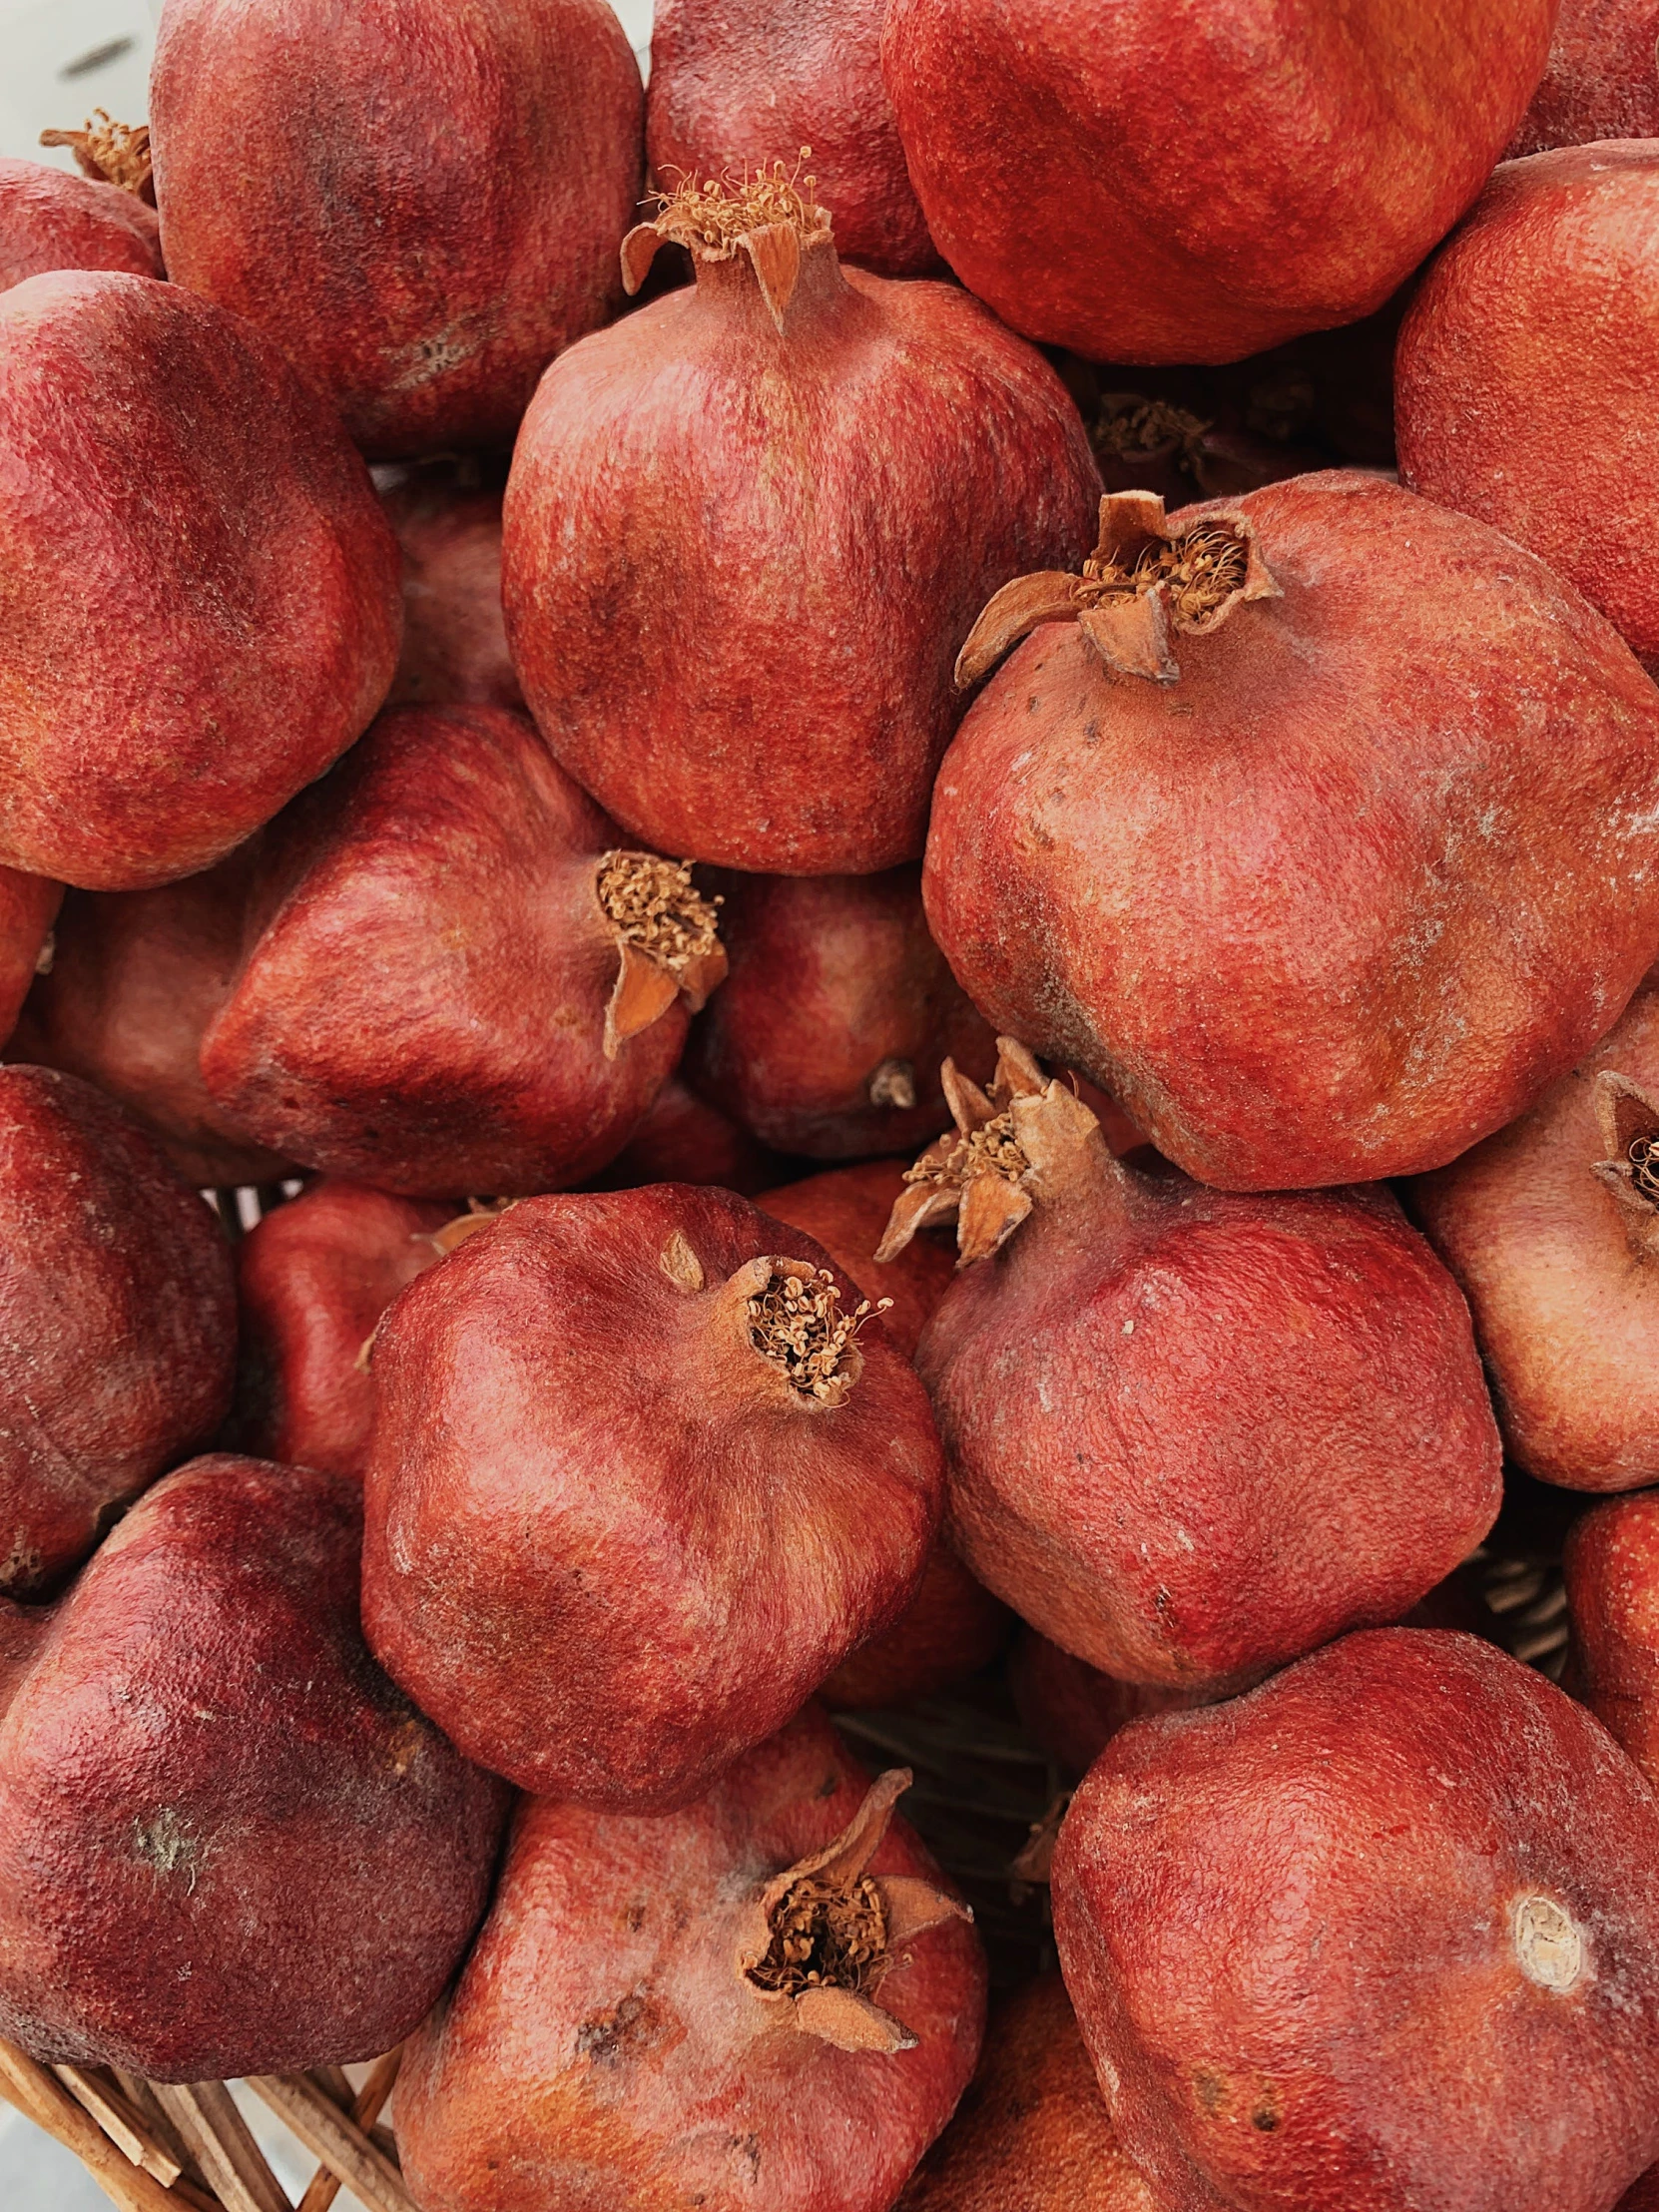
point(463, 985)
point(1612, 1575)
point(1199, 186)
point(1032, 2134)
point(133, 980)
point(117, 1322)
point(448, 525)
point(433, 205)
point(732, 86)
point(1321, 827)
point(228, 1845)
point(29, 906)
point(683, 1139)
point(1552, 1229)
point(1644, 2197)
point(828, 1037)
point(50, 219)
point(1382, 1932)
point(201, 606)
point(1524, 365)
point(1072, 1708)
point(764, 1998)
point(953, 1626)
point(830, 472)
point(1188, 1436)
point(313, 1279)
point(637, 1486)
point(1601, 81)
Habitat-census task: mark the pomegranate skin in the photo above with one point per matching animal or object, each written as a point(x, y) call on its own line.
point(1429, 1875)
point(1611, 1565)
point(1565, 1303)
point(1644, 2197)
point(836, 992)
point(50, 219)
point(683, 1139)
point(892, 450)
point(135, 979)
point(1197, 187)
point(1162, 884)
point(228, 1845)
point(1524, 367)
point(736, 85)
point(423, 1010)
point(1601, 81)
point(199, 608)
point(116, 1317)
point(29, 906)
point(1072, 1708)
point(601, 2052)
point(1190, 1435)
point(436, 202)
point(313, 1279)
point(454, 634)
point(609, 1545)
point(1032, 2134)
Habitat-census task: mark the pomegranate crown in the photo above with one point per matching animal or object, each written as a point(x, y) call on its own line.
point(111, 153)
point(772, 215)
point(1628, 1119)
point(668, 944)
point(1146, 581)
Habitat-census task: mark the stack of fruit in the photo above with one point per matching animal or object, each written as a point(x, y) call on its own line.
point(979, 944)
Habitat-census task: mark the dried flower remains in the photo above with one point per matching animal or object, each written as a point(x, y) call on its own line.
point(795, 1320)
point(667, 938)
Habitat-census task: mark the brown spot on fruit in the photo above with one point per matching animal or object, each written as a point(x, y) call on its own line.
point(1549, 1943)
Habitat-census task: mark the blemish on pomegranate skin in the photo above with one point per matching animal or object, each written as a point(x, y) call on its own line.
point(1549, 1943)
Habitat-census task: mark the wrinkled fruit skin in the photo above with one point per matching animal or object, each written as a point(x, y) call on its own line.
point(1163, 885)
point(313, 1279)
point(1611, 1566)
point(454, 634)
point(29, 906)
point(609, 1546)
point(729, 698)
point(135, 980)
point(1566, 1310)
point(1601, 82)
point(1192, 1436)
point(118, 1321)
point(683, 1139)
point(1376, 1846)
point(1195, 188)
point(227, 1845)
point(833, 980)
point(436, 202)
point(199, 609)
point(1072, 1708)
point(1524, 367)
point(1031, 2134)
point(51, 219)
point(601, 2052)
point(424, 1007)
point(757, 81)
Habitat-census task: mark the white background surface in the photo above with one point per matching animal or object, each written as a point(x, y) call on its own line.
point(60, 59)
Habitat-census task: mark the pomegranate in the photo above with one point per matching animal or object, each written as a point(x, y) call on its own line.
point(765, 1997)
point(463, 985)
point(1552, 1229)
point(1523, 366)
point(1197, 187)
point(1188, 1436)
point(1382, 1932)
point(1612, 1576)
point(953, 1626)
point(200, 608)
point(683, 1139)
point(29, 906)
point(117, 1322)
point(1644, 2197)
point(637, 1484)
point(313, 1279)
point(432, 207)
point(448, 525)
point(1031, 2134)
point(50, 219)
point(1072, 1708)
point(1600, 82)
point(731, 84)
point(827, 1037)
point(135, 978)
point(227, 1845)
point(1150, 868)
point(830, 471)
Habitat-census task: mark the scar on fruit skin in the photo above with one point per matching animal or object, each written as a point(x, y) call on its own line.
point(168, 1845)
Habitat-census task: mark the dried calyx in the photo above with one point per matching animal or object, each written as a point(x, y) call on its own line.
point(795, 1318)
point(1628, 1118)
point(1142, 583)
point(831, 1932)
point(111, 153)
point(668, 946)
point(772, 215)
point(1130, 426)
point(1027, 1137)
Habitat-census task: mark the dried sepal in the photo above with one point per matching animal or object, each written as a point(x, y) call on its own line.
point(679, 1263)
point(1050, 595)
point(772, 215)
point(794, 1317)
point(668, 943)
point(111, 153)
point(1628, 1119)
point(481, 1213)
